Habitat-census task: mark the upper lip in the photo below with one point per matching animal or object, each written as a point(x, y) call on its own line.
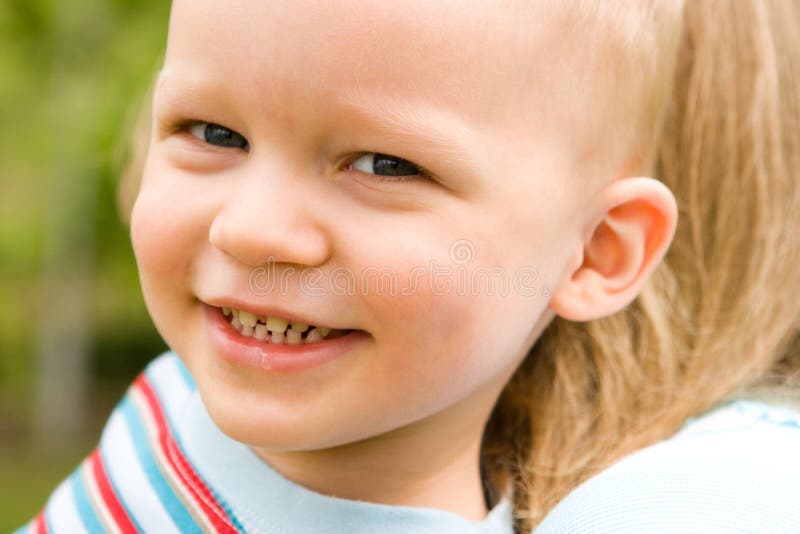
point(273, 311)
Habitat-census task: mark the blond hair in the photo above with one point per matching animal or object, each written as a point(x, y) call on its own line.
point(131, 152)
point(719, 318)
point(716, 117)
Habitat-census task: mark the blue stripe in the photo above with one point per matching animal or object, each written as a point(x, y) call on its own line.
point(82, 503)
point(120, 496)
point(174, 507)
point(25, 529)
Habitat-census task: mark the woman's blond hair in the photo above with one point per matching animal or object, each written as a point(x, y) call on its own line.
point(720, 316)
point(717, 119)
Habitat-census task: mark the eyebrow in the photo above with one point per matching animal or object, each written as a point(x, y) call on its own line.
point(426, 130)
point(177, 91)
point(429, 130)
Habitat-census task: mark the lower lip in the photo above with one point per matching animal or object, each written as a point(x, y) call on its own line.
point(274, 358)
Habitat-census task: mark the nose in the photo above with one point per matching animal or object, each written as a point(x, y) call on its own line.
point(270, 218)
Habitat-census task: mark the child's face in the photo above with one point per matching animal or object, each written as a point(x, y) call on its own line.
point(473, 92)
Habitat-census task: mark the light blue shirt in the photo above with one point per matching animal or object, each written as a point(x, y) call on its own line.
point(734, 469)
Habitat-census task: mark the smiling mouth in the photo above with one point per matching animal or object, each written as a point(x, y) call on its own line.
point(277, 330)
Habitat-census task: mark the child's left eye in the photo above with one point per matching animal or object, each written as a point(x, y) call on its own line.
point(218, 135)
point(384, 165)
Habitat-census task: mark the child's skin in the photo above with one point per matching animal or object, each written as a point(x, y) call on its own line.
point(475, 93)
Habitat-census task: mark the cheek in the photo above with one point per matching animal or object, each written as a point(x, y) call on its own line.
point(442, 337)
point(156, 245)
point(164, 234)
point(168, 230)
point(457, 300)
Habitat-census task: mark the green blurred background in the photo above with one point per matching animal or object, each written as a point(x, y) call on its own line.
point(74, 330)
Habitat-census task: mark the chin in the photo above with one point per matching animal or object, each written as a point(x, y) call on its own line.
point(260, 428)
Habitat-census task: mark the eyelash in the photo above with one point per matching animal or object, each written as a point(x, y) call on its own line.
point(422, 173)
point(184, 128)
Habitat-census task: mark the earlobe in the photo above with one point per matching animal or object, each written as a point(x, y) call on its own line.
point(638, 221)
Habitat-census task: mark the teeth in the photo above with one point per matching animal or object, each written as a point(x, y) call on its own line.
point(276, 324)
point(293, 337)
point(260, 326)
point(313, 335)
point(261, 332)
point(247, 318)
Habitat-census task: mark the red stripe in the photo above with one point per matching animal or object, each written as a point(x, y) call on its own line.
point(39, 524)
point(118, 513)
point(188, 477)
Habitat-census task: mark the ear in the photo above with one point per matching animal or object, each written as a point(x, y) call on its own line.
point(626, 242)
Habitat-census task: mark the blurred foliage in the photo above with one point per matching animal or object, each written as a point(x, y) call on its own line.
point(34, 477)
point(71, 75)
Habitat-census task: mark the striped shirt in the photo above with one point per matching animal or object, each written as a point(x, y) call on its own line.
point(163, 466)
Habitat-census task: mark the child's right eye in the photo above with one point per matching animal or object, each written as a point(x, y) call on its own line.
point(217, 135)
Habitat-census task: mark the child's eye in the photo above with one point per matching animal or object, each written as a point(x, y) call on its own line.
point(217, 135)
point(385, 165)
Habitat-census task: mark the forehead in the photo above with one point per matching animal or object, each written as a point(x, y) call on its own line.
point(487, 61)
